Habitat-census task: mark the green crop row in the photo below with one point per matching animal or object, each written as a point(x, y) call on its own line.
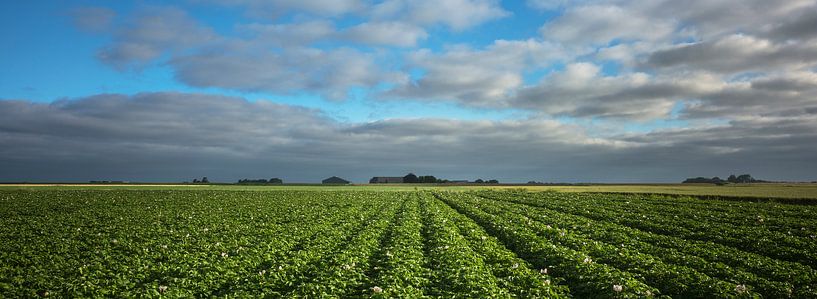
point(380, 244)
point(512, 273)
point(400, 270)
point(750, 239)
point(802, 276)
point(584, 277)
point(668, 249)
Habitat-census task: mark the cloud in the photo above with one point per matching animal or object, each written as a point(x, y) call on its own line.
point(548, 4)
point(290, 34)
point(763, 138)
point(737, 53)
point(310, 32)
point(708, 19)
point(708, 57)
point(769, 96)
point(178, 136)
point(327, 72)
point(151, 33)
point(801, 27)
point(93, 19)
point(456, 14)
point(581, 91)
point(276, 8)
point(385, 33)
point(600, 24)
point(794, 82)
point(476, 77)
point(275, 58)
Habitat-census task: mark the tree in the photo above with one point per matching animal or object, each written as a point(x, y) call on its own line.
point(493, 182)
point(479, 181)
point(745, 178)
point(204, 180)
point(276, 181)
point(732, 178)
point(428, 179)
point(195, 181)
point(703, 180)
point(411, 179)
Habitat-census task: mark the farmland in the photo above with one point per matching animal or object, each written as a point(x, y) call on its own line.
point(383, 244)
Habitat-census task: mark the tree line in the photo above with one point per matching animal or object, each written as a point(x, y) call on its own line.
point(430, 179)
point(261, 181)
point(740, 179)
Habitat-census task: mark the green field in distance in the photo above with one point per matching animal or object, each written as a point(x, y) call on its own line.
point(766, 190)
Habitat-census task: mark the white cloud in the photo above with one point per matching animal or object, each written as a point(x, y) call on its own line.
point(328, 72)
point(600, 24)
point(456, 14)
point(290, 34)
point(476, 77)
point(580, 90)
point(385, 33)
point(655, 54)
point(274, 8)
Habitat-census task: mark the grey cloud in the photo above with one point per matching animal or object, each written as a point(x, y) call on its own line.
point(289, 57)
point(600, 24)
point(736, 53)
point(722, 29)
point(708, 19)
point(151, 33)
point(756, 134)
point(306, 33)
point(796, 82)
point(548, 4)
point(456, 14)
point(802, 26)
point(476, 77)
point(276, 58)
point(174, 136)
point(329, 72)
point(767, 96)
point(581, 91)
point(288, 35)
point(93, 19)
point(384, 33)
point(275, 8)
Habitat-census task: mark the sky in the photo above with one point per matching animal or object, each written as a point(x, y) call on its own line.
point(543, 90)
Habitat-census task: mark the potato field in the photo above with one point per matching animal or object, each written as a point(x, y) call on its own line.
point(406, 244)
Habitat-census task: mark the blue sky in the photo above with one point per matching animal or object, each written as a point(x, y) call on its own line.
point(54, 51)
point(600, 81)
point(53, 59)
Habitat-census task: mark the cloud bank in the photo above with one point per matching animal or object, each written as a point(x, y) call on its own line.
point(173, 136)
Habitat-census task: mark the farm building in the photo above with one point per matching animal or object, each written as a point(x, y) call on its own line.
point(335, 180)
point(386, 180)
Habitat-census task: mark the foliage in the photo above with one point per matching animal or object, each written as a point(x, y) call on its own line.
point(381, 244)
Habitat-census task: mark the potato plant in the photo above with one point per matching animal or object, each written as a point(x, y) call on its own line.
point(400, 244)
